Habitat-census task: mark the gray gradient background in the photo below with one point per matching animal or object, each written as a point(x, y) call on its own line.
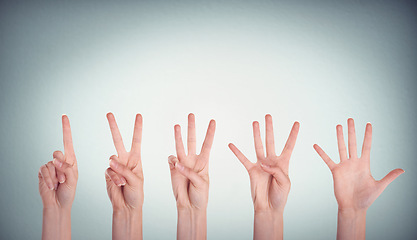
point(234, 61)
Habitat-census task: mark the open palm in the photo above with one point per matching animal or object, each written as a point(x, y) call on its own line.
point(124, 177)
point(354, 186)
point(270, 183)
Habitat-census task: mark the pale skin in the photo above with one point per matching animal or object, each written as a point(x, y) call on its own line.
point(270, 183)
point(190, 181)
point(354, 187)
point(124, 180)
point(57, 184)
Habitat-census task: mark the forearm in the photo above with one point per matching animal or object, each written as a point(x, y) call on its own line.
point(268, 225)
point(192, 224)
point(56, 223)
point(351, 224)
point(127, 224)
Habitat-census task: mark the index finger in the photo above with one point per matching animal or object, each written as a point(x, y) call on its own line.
point(67, 137)
point(117, 138)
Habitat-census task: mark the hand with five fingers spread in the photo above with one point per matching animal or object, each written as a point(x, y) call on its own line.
point(124, 179)
point(354, 187)
point(57, 184)
point(190, 181)
point(270, 184)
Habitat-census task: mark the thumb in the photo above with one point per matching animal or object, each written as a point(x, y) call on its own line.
point(67, 169)
point(390, 177)
point(116, 166)
point(276, 172)
point(195, 179)
point(171, 161)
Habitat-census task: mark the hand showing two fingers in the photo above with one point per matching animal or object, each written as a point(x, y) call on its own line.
point(58, 178)
point(124, 177)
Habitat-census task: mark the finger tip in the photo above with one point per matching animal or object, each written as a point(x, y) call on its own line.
point(109, 115)
point(268, 116)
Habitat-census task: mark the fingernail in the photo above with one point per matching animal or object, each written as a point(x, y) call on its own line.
point(61, 179)
point(57, 162)
point(123, 181)
point(113, 163)
point(56, 186)
point(179, 166)
point(51, 187)
point(265, 166)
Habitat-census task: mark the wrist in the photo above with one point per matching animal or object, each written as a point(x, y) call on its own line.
point(127, 224)
point(268, 224)
point(56, 223)
point(351, 213)
point(351, 223)
point(192, 223)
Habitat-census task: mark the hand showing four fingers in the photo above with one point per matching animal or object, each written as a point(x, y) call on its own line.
point(270, 183)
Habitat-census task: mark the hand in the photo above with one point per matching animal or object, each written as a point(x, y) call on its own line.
point(270, 183)
point(190, 180)
point(57, 184)
point(354, 186)
point(124, 180)
point(58, 178)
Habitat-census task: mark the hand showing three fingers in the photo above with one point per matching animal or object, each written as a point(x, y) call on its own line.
point(354, 187)
point(270, 184)
point(57, 184)
point(124, 179)
point(190, 181)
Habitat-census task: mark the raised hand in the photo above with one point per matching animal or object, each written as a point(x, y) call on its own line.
point(57, 184)
point(354, 187)
point(190, 181)
point(124, 179)
point(270, 183)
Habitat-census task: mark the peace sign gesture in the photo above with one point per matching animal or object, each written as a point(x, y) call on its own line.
point(124, 177)
point(58, 178)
